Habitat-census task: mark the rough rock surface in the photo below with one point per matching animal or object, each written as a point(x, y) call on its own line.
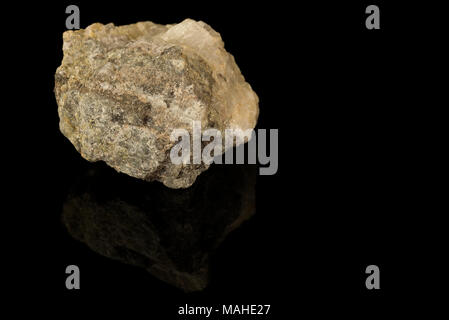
point(122, 90)
point(171, 233)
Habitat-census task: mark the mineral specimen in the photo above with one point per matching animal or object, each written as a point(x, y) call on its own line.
point(170, 233)
point(122, 90)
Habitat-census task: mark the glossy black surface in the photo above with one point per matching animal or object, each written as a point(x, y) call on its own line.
point(348, 192)
point(169, 232)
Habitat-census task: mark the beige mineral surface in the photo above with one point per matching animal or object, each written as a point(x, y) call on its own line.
point(122, 90)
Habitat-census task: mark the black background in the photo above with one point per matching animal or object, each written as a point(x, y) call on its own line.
point(346, 195)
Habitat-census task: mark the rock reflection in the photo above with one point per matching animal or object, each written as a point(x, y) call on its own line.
point(169, 232)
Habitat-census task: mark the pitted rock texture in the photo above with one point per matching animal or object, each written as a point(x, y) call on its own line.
point(122, 90)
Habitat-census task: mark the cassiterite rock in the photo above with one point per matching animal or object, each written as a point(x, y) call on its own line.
point(122, 90)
